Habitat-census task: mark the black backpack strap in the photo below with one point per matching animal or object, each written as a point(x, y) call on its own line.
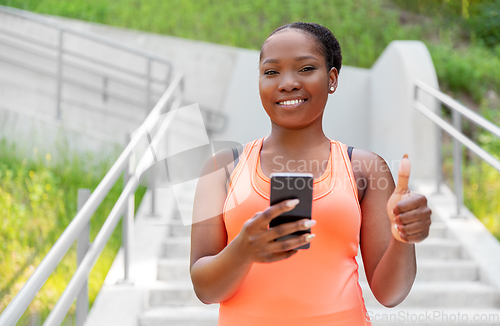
point(349, 152)
point(235, 155)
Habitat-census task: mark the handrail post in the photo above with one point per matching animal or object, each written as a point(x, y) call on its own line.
point(439, 153)
point(59, 74)
point(83, 244)
point(128, 218)
point(148, 86)
point(457, 164)
point(104, 88)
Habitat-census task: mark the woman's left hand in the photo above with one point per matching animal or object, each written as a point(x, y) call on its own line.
point(409, 214)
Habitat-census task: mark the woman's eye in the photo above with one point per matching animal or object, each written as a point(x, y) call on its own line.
point(307, 69)
point(270, 72)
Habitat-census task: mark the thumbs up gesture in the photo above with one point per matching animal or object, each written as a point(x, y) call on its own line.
point(410, 217)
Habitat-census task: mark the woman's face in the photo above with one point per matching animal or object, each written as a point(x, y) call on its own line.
point(293, 80)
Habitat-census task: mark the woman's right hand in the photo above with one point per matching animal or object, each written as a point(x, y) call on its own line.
point(256, 239)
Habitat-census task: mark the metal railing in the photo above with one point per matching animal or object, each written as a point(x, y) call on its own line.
point(455, 130)
point(89, 65)
point(79, 227)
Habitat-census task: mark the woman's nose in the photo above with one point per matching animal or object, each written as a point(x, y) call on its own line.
point(289, 82)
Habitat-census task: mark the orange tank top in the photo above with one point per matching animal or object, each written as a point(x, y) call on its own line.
point(316, 286)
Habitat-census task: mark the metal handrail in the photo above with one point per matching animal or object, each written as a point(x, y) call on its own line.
point(77, 66)
point(73, 82)
point(463, 110)
point(22, 300)
point(90, 36)
point(455, 131)
point(62, 56)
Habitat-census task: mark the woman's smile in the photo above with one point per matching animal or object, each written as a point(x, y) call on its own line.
point(291, 104)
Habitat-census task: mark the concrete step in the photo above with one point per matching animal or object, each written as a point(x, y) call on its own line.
point(423, 294)
point(207, 316)
point(181, 316)
point(438, 230)
point(176, 247)
point(439, 248)
point(441, 271)
point(173, 294)
point(447, 271)
point(177, 229)
point(173, 270)
point(444, 294)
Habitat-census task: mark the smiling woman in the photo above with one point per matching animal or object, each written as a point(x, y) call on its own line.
point(235, 260)
point(301, 74)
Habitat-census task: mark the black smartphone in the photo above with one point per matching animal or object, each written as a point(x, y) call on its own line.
point(290, 186)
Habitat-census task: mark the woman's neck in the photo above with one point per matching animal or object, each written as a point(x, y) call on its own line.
point(296, 142)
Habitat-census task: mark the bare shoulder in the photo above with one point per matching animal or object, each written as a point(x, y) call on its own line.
point(208, 232)
point(366, 161)
point(365, 166)
point(208, 235)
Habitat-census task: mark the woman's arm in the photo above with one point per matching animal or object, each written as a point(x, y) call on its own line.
point(390, 265)
point(218, 270)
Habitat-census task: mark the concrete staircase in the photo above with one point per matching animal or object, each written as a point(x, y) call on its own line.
point(448, 289)
point(173, 301)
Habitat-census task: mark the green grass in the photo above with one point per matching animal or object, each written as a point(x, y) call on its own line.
point(38, 199)
point(481, 182)
point(481, 188)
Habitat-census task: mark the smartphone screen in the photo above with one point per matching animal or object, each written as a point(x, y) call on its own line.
point(290, 186)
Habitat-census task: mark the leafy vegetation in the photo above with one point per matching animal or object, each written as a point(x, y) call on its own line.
point(38, 199)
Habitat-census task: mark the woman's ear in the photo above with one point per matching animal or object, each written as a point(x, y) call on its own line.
point(333, 77)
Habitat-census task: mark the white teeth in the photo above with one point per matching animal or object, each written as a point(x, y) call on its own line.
point(291, 102)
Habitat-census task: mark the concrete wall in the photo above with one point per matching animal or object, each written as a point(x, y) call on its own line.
point(28, 106)
point(38, 134)
point(395, 126)
point(207, 67)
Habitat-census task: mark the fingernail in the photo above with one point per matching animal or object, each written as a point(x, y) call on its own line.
point(309, 237)
point(292, 203)
point(405, 156)
point(309, 223)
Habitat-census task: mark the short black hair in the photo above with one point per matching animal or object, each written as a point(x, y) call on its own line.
point(329, 47)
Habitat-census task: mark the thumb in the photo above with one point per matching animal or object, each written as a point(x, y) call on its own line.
point(403, 175)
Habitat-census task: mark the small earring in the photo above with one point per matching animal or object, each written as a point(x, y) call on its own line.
point(332, 89)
